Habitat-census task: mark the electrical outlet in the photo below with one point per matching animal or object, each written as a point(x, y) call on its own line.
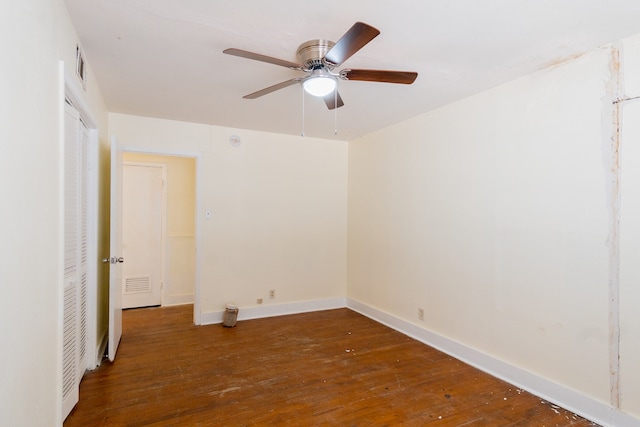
point(272, 293)
point(259, 300)
point(420, 313)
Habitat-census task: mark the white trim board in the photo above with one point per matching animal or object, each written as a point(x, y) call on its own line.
point(259, 312)
point(571, 400)
point(177, 299)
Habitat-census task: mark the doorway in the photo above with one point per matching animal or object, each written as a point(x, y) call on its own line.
point(173, 255)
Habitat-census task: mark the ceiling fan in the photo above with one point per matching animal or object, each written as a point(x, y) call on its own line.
point(319, 57)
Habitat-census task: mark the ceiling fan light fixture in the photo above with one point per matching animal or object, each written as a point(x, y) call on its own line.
point(320, 83)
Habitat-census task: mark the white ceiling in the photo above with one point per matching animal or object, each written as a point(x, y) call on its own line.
point(163, 58)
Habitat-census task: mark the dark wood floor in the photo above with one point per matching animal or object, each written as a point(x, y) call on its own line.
point(325, 368)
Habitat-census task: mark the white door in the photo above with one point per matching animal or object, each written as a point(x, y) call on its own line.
point(80, 254)
point(142, 237)
point(74, 318)
point(115, 259)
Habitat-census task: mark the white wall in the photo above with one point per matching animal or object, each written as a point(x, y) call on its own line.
point(279, 210)
point(493, 214)
point(29, 183)
point(36, 35)
point(630, 231)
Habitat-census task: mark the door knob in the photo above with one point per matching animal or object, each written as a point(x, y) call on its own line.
point(113, 260)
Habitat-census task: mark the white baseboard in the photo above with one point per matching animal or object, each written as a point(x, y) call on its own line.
point(259, 312)
point(569, 399)
point(179, 299)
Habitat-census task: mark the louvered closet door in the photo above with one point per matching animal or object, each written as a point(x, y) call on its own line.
point(75, 258)
point(83, 145)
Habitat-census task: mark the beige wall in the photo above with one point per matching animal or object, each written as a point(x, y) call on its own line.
point(494, 214)
point(630, 231)
point(278, 204)
point(179, 274)
point(36, 35)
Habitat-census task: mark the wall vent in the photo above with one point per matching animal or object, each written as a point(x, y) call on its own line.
point(137, 285)
point(81, 67)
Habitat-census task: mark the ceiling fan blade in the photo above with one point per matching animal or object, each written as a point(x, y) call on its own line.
point(273, 88)
point(352, 41)
point(384, 76)
point(263, 58)
point(333, 100)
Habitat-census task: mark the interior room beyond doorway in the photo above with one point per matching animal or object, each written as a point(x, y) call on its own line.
point(179, 244)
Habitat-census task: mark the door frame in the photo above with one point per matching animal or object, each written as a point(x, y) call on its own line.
point(114, 260)
point(163, 219)
point(196, 156)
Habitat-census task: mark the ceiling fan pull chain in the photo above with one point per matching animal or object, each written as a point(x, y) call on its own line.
point(302, 112)
point(335, 111)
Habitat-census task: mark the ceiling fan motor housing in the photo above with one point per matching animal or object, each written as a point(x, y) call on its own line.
point(312, 52)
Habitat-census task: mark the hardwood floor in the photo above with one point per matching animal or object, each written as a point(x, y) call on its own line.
point(333, 367)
